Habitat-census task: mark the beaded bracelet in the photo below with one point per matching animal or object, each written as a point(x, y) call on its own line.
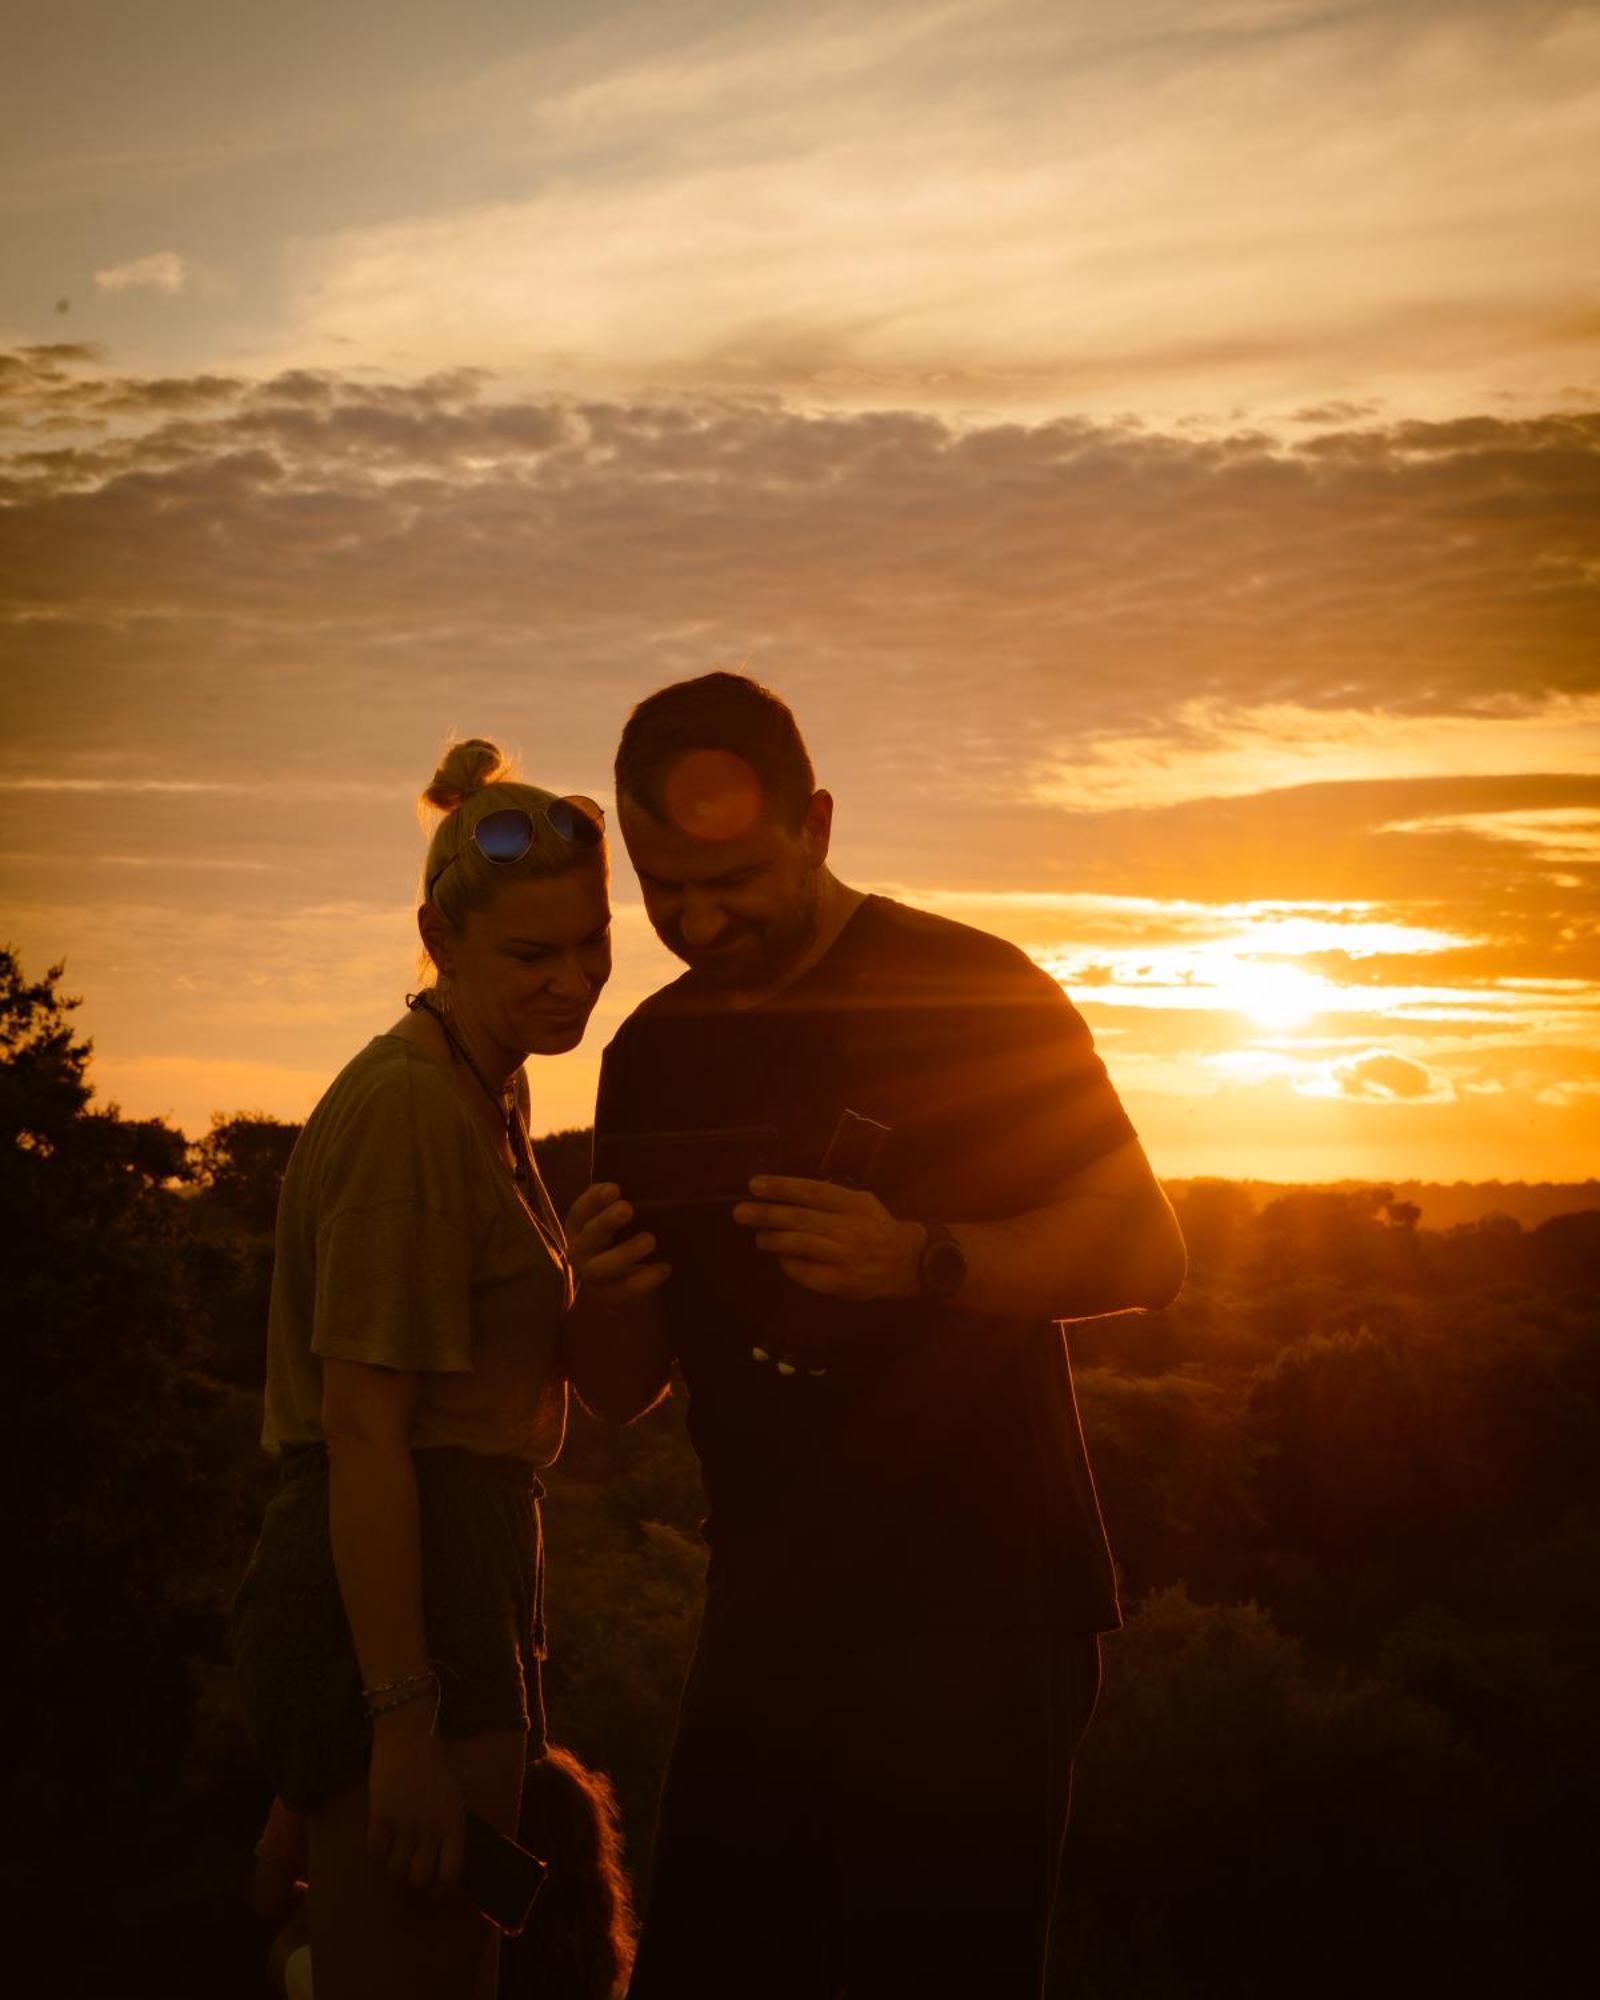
point(394, 1687)
point(390, 1695)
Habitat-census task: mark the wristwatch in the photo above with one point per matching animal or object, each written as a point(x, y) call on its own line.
point(941, 1265)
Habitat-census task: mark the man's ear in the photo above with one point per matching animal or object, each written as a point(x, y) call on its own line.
point(816, 829)
point(438, 939)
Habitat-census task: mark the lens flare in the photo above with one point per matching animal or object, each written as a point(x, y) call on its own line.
point(713, 795)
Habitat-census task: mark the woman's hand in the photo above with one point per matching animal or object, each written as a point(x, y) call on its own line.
point(610, 1274)
point(281, 1859)
point(414, 1822)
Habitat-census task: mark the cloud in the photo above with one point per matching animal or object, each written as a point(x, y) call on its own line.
point(1326, 414)
point(982, 205)
point(1553, 833)
point(60, 390)
point(1085, 657)
point(1268, 748)
point(53, 354)
point(1382, 1077)
point(1394, 587)
point(1373, 1076)
point(1573, 1091)
point(1006, 205)
point(163, 271)
point(1211, 749)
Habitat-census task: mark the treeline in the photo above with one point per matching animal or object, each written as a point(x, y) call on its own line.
point(1348, 1738)
point(1446, 1204)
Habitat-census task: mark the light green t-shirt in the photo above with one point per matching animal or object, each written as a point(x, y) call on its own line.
point(403, 1241)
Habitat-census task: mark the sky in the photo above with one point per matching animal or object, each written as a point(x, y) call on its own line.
point(1155, 448)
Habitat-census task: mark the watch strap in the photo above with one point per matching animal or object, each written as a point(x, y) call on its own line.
point(941, 1266)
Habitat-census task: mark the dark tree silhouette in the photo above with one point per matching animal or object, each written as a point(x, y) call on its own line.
point(240, 1163)
point(1349, 1739)
point(106, 1547)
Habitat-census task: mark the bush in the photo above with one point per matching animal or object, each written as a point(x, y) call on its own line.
point(1245, 1826)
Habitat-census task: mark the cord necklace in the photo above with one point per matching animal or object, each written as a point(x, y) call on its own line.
point(504, 1102)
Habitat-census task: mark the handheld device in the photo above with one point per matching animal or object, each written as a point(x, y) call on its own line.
point(672, 1178)
point(853, 1151)
point(498, 1878)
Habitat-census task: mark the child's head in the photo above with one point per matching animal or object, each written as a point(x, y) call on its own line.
point(580, 1939)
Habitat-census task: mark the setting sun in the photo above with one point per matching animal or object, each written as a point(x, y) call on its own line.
point(1155, 585)
point(1064, 542)
point(1277, 996)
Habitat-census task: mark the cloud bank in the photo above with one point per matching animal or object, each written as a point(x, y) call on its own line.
point(1010, 205)
point(1174, 206)
point(1283, 749)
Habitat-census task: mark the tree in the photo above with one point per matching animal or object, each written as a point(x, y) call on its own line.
point(1218, 1220)
point(240, 1163)
point(1246, 1824)
point(1351, 1234)
point(116, 1481)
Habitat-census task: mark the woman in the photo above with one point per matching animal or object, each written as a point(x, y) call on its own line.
point(388, 1631)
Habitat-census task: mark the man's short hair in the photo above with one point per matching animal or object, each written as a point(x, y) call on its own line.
point(716, 712)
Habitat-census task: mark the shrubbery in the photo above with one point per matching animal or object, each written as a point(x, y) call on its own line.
point(1347, 1740)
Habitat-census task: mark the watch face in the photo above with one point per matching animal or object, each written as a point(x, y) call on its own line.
point(943, 1268)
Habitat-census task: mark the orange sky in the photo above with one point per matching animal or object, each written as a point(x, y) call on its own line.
point(1155, 449)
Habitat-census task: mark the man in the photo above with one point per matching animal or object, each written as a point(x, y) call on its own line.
point(868, 1790)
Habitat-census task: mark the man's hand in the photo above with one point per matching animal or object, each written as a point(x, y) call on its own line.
point(611, 1274)
point(841, 1242)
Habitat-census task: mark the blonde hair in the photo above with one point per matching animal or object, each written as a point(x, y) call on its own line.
point(472, 781)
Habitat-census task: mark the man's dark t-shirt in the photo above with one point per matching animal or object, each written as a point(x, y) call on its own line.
point(934, 1476)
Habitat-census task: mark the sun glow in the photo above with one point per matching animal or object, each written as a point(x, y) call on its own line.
point(1222, 975)
point(1260, 964)
point(1274, 995)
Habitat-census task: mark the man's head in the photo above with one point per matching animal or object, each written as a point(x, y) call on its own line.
point(719, 808)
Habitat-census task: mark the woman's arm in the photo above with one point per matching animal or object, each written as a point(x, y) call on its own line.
point(615, 1342)
point(618, 1359)
point(374, 1522)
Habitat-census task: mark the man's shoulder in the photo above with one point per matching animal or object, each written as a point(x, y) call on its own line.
point(666, 1000)
point(920, 945)
point(891, 948)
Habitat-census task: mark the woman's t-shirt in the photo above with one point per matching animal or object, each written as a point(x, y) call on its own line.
point(403, 1241)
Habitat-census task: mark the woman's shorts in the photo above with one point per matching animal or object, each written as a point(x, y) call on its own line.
point(482, 1604)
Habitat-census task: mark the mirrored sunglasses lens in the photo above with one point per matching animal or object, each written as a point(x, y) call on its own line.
point(577, 819)
point(504, 836)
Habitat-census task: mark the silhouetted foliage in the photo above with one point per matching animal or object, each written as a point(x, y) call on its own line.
point(564, 1165)
point(121, 1485)
point(1218, 1220)
point(1349, 1737)
point(1247, 1824)
point(239, 1164)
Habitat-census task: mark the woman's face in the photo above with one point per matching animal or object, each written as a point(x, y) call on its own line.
point(528, 967)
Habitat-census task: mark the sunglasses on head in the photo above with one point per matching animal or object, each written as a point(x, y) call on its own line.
point(508, 834)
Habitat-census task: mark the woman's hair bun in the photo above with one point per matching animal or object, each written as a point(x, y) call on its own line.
point(464, 768)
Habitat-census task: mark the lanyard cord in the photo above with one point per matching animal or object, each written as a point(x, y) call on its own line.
point(511, 1113)
point(525, 1173)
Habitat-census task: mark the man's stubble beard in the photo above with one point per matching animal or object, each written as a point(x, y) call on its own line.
point(782, 942)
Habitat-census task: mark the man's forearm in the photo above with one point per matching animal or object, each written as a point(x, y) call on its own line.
point(1082, 1256)
point(619, 1361)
